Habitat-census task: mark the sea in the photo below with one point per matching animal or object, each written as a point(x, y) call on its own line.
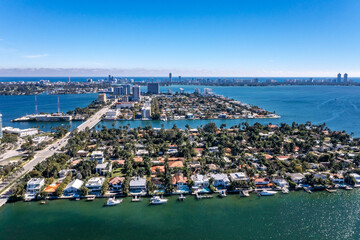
point(297, 215)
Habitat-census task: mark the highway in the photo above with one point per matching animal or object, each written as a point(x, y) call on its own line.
point(47, 152)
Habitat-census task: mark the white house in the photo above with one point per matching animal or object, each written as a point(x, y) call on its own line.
point(33, 187)
point(94, 184)
point(281, 182)
point(98, 156)
point(220, 180)
point(296, 177)
point(103, 168)
point(357, 179)
point(138, 184)
point(238, 176)
point(200, 181)
point(73, 187)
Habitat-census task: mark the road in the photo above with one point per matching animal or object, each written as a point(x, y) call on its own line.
point(49, 151)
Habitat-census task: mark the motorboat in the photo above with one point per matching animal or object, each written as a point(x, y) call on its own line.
point(222, 193)
point(285, 190)
point(90, 198)
point(244, 193)
point(181, 197)
point(267, 193)
point(156, 200)
point(136, 198)
point(112, 201)
point(348, 188)
point(331, 190)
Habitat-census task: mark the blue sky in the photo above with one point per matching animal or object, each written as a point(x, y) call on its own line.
point(194, 38)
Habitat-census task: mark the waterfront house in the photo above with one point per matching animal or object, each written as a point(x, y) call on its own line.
point(200, 181)
point(296, 177)
point(94, 184)
point(51, 189)
point(357, 179)
point(179, 181)
point(138, 184)
point(116, 183)
point(103, 168)
point(337, 178)
point(220, 180)
point(34, 185)
point(73, 187)
point(238, 176)
point(281, 182)
point(263, 183)
point(98, 156)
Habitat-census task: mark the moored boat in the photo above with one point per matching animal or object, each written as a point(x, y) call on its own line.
point(244, 193)
point(90, 198)
point(112, 201)
point(136, 198)
point(156, 200)
point(222, 193)
point(348, 188)
point(267, 193)
point(285, 190)
point(181, 197)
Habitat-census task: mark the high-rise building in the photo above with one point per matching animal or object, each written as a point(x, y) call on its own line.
point(68, 79)
point(339, 77)
point(136, 93)
point(102, 98)
point(146, 112)
point(170, 77)
point(126, 89)
point(153, 88)
point(181, 90)
point(345, 77)
point(118, 90)
point(1, 133)
point(197, 91)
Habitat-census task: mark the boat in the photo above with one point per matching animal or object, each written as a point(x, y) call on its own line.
point(42, 202)
point(285, 190)
point(112, 201)
point(348, 188)
point(267, 193)
point(244, 193)
point(307, 190)
point(331, 190)
point(77, 199)
point(181, 197)
point(156, 200)
point(136, 198)
point(222, 193)
point(90, 198)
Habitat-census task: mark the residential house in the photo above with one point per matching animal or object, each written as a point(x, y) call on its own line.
point(116, 183)
point(281, 182)
point(179, 181)
point(94, 184)
point(98, 156)
point(138, 184)
point(103, 168)
point(238, 176)
point(200, 181)
point(296, 177)
point(73, 187)
point(220, 180)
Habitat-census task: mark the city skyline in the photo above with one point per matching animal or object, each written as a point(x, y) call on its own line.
point(234, 38)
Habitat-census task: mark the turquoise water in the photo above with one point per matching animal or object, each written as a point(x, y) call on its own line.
point(13, 107)
point(297, 215)
point(338, 106)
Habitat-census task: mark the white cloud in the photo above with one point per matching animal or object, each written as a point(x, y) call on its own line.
point(36, 56)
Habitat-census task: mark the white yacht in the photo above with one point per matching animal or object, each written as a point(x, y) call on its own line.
point(112, 201)
point(222, 193)
point(244, 193)
point(285, 190)
point(181, 197)
point(268, 193)
point(156, 200)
